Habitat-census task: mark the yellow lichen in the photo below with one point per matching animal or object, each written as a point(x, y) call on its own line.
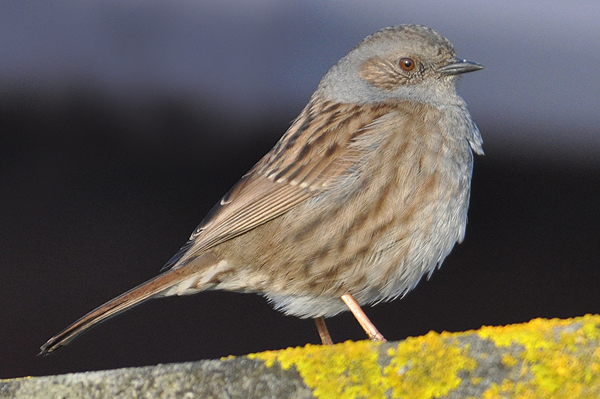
point(555, 359)
point(505, 390)
point(347, 370)
point(509, 360)
point(422, 368)
point(555, 354)
point(426, 367)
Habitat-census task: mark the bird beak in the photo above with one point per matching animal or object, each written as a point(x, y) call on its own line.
point(457, 66)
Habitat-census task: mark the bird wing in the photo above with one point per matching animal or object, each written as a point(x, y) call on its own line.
point(316, 150)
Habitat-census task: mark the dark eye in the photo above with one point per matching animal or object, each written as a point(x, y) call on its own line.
point(407, 64)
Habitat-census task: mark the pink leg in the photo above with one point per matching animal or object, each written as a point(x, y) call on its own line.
point(362, 318)
point(323, 332)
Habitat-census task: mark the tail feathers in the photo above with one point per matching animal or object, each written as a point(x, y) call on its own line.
point(164, 284)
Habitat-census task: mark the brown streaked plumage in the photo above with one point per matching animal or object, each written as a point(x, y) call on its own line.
point(364, 194)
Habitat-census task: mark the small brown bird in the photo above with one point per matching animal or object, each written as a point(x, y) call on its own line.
point(364, 194)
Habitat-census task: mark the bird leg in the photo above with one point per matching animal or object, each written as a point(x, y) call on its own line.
point(365, 323)
point(323, 332)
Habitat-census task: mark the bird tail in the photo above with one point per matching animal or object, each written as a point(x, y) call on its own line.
point(177, 281)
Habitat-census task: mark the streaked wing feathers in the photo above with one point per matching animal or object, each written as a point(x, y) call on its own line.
point(308, 158)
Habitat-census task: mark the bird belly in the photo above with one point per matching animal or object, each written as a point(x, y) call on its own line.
point(375, 239)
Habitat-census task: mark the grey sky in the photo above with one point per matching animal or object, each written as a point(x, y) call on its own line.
point(541, 84)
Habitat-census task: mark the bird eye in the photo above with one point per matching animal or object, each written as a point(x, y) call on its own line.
point(407, 64)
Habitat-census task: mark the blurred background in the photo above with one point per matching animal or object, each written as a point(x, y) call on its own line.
point(123, 122)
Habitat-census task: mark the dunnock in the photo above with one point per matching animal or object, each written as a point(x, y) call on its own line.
point(364, 194)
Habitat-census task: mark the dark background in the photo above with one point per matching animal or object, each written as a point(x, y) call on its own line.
point(121, 125)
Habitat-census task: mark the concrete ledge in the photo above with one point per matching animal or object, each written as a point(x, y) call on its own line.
point(540, 359)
